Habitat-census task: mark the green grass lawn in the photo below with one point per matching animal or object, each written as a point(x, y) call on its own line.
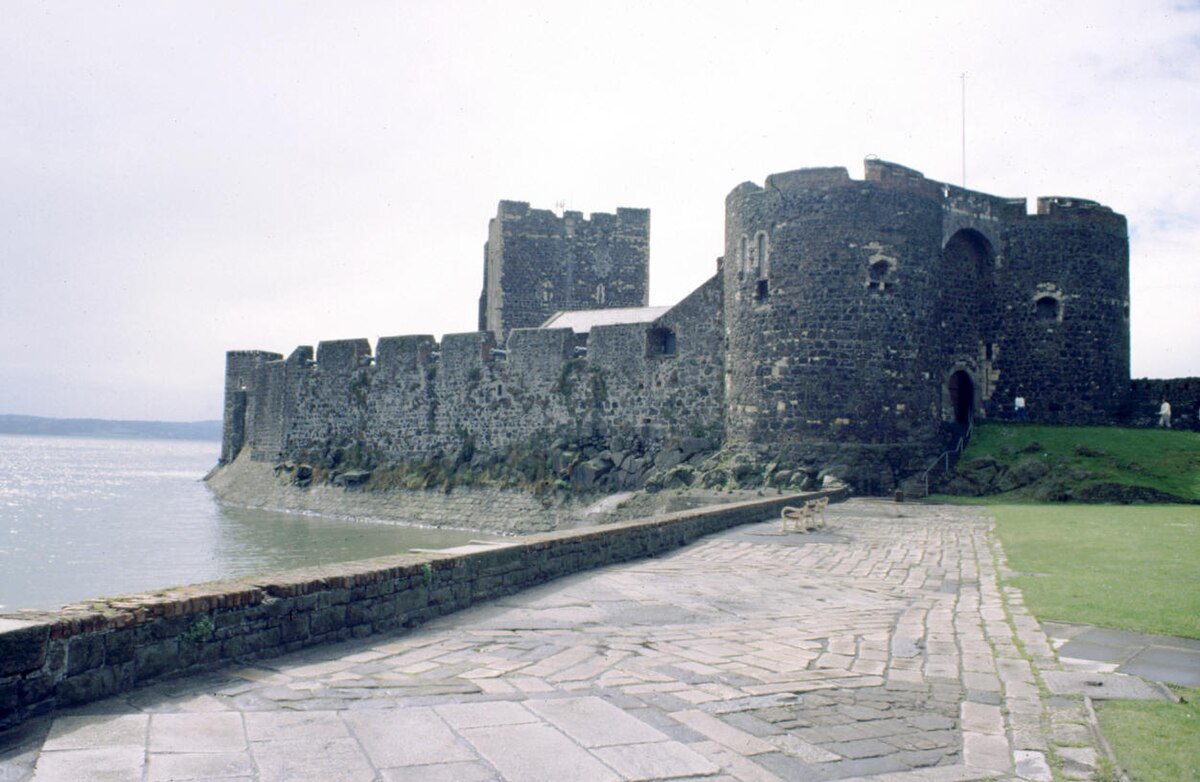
point(1130, 567)
point(1165, 460)
point(1154, 740)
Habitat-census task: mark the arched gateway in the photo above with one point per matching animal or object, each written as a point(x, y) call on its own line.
point(962, 396)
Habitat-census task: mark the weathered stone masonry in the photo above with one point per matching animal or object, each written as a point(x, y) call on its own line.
point(853, 326)
point(415, 397)
point(1182, 392)
point(536, 264)
point(865, 317)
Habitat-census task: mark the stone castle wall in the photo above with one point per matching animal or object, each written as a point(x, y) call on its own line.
point(536, 264)
point(413, 397)
point(246, 417)
point(854, 326)
point(1147, 394)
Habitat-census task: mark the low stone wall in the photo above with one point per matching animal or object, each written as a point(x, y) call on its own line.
point(79, 654)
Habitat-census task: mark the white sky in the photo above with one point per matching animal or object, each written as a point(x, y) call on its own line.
point(180, 179)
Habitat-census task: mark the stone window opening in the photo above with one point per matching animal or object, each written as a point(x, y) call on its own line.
point(762, 292)
point(600, 294)
point(760, 253)
point(1048, 308)
point(877, 274)
point(660, 341)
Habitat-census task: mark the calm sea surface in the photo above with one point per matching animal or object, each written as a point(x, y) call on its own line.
point(82, 518)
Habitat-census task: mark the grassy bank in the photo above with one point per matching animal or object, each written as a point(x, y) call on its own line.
point(1084, 463)
point(1126, 567)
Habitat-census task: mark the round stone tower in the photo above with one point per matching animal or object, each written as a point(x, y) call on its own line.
point(831, 308)
point(1062, 287)
point(870, 323)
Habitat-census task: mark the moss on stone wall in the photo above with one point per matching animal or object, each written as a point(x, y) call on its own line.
point(558, 468)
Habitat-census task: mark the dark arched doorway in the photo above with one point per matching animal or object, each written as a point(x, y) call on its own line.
point(966, 309)
point(962, 396)
point(971, 252)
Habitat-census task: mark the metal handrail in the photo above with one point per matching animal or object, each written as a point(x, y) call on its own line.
point(958, 448)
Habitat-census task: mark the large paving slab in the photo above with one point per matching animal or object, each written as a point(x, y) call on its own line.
point(1156, 657)
point(886, 647)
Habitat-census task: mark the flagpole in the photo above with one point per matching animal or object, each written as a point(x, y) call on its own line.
point(964, 128)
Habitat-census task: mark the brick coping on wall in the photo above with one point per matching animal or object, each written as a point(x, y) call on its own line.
point(84, 652)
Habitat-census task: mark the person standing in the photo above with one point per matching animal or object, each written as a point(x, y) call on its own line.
point(1164, 415)
point(1019, 408)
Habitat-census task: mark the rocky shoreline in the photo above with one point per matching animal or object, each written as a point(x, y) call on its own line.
point(246, 483)
point(1041, 480)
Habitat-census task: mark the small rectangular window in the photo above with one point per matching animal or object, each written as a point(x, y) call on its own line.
point(660, 342)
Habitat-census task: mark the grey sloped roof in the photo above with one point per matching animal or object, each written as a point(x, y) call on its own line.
point(582, 321)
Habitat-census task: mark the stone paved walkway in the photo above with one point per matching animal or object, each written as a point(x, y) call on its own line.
point(883, 648)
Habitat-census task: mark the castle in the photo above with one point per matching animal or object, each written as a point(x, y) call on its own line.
point(852, 327)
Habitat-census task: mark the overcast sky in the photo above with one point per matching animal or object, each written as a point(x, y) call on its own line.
point(181, 179)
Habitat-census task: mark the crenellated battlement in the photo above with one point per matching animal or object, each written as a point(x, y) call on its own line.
point(808, 177)
point(537, 263)
point(955, 199)
point(1065, 209)
point(415, 396)
point(343, 355)
point(900, 177)
point(625, 217)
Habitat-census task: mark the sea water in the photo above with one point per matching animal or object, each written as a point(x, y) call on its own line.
point(86, 518)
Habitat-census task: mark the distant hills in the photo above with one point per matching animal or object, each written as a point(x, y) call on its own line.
point(96, 427)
